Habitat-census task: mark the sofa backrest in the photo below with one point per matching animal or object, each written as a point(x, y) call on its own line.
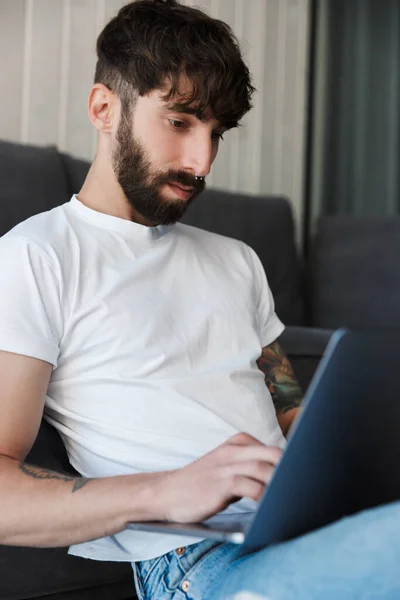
point(355, 272)
point(32, 180)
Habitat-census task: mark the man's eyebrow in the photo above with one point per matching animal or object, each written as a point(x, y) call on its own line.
point(187, 110)
point(190, 110)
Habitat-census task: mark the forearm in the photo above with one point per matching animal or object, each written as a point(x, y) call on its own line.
point(44, 509)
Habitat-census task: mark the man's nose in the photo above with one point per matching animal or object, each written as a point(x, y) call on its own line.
point(199, 156)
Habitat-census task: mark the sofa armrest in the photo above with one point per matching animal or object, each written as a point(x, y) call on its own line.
point(305, 346)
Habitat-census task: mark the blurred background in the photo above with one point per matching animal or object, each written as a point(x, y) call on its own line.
point(324, 131)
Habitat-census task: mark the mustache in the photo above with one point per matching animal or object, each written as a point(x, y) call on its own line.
point(183, 178)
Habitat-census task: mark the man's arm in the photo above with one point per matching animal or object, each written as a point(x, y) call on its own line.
point(42, 508)
point(39, 507)
point(282, 384)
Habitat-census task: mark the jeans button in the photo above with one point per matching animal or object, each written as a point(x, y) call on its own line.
point(180, 551)
point(185, 585)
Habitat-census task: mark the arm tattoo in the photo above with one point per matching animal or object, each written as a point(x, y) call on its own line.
point(39, 473)
point(280, 378)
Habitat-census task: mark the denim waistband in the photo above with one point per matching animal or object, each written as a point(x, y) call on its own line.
point(183, 573)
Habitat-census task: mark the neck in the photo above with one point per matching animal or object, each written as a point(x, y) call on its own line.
point(101, 192)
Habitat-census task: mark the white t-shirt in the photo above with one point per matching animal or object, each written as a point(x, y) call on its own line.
point(153, 334)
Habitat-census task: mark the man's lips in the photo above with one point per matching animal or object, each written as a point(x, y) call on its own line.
point(182, 192)
point(185, 188)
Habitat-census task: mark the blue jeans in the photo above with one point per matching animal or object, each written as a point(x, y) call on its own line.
point(356, 558)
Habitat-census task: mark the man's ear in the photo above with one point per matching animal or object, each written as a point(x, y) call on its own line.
point(103, 108)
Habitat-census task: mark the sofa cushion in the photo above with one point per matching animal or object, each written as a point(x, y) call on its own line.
point(27, 573)
point(32, 181)
point(266, 224)
point(355, 272)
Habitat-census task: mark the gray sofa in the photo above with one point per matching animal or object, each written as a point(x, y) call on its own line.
point(343, 275)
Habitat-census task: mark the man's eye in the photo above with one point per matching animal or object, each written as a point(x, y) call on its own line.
point(177, 124)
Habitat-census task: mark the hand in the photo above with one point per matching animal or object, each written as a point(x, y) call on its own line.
point(239, 468)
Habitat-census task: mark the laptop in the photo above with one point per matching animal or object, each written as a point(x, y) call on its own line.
point(342, 454)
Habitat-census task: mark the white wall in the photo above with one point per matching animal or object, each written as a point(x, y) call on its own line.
point(47, 59)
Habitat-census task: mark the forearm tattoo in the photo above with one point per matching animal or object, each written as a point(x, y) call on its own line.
point(280, 378)
point(39, 473)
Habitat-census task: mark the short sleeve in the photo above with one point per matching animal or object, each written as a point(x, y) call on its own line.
point(270, 325)
point(30, 305)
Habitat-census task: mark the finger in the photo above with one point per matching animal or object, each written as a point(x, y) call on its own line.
point(244, 439)
point(260, 471)
point(245, 487)
point(238, 454)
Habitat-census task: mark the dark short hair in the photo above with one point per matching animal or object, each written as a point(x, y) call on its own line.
point(151, 42)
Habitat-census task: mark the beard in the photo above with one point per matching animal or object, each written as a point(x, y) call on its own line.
point(141, 183)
